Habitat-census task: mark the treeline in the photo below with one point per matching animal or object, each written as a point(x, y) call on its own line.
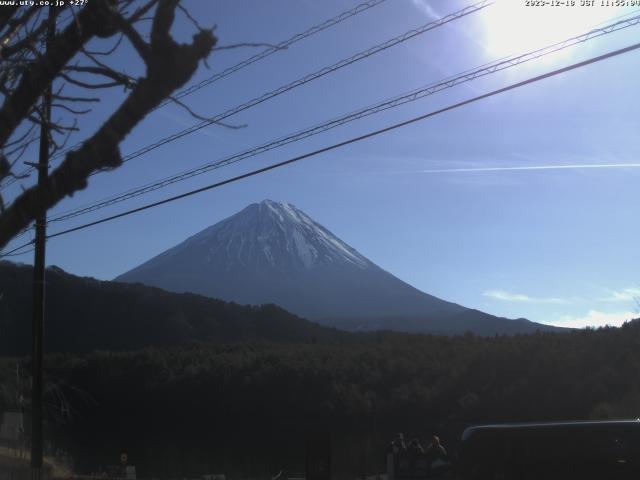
point(379, 380)
point(468, 379)
point(201, 375)
point(84, 314)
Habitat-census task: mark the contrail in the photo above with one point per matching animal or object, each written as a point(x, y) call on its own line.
point(531, 167)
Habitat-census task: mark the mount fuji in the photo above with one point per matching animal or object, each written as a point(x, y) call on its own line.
point(272, 252)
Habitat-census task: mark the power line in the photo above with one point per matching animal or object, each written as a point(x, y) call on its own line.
point(313, 76)
point(357, 139)
point(248, 61)
point(290, 86)
point(12, 253)
point(412, 96)
point(344, 143)
point(306, 79)
point(275, 48)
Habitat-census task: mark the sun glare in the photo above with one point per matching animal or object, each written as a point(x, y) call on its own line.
point(514, 26)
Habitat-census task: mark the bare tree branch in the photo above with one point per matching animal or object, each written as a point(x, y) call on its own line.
point(19, 139)
point(106, 52)
point(118, 77)
point(33, 36)
point(69, 109)
point(15, 24)
point(169, 66)
point(142, 11)
point(142, 47)
point(190, 17)
point(6, 14)
point(94, 19)
point(91, 86)
point(66, 138)
point(75, 99)
point(201, 117)
point(5, 167)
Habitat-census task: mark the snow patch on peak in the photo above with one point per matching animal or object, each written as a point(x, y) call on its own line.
point(273, 234)
point(285, 211)
point(312, 242)
point(274, 208)
point(306, 252)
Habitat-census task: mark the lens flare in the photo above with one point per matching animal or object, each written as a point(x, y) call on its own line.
point(513, 26)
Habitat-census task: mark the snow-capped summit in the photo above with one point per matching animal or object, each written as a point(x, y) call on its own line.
point(272, 235)
point(264, 236)
point(308, 241)
point(272, 252)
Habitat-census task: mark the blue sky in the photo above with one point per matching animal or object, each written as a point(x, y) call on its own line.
point(450, 204)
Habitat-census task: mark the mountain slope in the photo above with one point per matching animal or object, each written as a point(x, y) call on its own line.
point(469, 320)
point(274, 253)
point(84, 314)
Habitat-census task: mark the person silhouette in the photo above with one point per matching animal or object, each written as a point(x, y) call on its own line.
point(435, 451)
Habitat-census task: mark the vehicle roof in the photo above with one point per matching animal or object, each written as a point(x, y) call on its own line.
point(544, 425)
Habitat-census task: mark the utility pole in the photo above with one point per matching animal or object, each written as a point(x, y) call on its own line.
point(39, 280)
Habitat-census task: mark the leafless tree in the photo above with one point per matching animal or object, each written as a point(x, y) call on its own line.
point(77, 72)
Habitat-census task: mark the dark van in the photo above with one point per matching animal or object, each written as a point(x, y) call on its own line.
point(603, 450)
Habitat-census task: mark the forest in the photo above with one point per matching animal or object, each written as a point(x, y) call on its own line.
point(255, 396)
point(84, 314)
point(188, 385)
